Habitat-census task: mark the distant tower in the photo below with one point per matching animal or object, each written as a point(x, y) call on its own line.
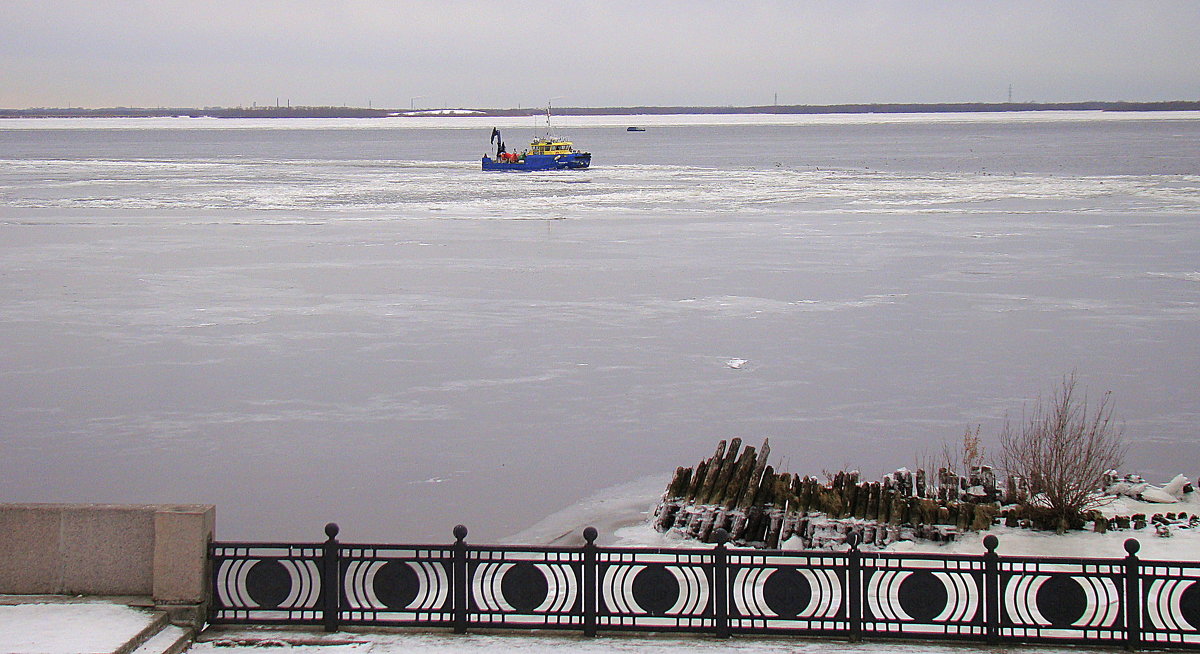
point(1010, 93)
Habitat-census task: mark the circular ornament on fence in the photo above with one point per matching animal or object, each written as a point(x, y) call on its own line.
point(1189, 605)
point(268, 583)
point(524, 587)
point(787, 592)
point(396, 585)
point(655, 589)
point(1061, 600)
point(922, 596)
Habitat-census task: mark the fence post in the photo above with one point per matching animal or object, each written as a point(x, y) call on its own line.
point(213, 590)
point(589, 581)
point(1133, 596)
point(854, 588)
point(460, 584)
point(991, 589)
point(721, 583)
point(331, 577)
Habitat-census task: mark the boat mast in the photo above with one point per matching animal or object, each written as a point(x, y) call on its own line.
point(548, 104)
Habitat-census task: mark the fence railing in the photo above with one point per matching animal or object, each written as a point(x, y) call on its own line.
point(854, 594)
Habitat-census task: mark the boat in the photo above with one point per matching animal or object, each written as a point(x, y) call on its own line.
point(544, 153)
point(635, 129)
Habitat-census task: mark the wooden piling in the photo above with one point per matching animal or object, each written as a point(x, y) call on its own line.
point(739, 479)
point(694, 483)
point(738, 490)
point(711, 473)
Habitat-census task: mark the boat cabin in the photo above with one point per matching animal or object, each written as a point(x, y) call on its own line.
point(550, 146)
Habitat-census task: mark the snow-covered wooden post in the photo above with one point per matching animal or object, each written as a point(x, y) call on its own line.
point(331, 577)
point(1133, 596)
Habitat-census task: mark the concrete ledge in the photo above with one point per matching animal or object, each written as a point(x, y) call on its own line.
point(106, 550)
point(30, 542)
point(156, 550)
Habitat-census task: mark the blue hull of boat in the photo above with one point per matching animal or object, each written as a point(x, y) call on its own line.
point(542, 162)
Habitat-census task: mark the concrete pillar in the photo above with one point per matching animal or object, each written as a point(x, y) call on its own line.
point(181, 566)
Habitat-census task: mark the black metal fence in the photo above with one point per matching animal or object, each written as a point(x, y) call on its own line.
point(854, 594)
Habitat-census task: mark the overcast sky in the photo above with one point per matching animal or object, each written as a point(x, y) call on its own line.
point(99, 53)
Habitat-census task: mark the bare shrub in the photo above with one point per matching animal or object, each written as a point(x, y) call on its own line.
point(1063, 450)
point(968, 455)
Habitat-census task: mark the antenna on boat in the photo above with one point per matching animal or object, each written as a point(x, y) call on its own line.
point(548, 103)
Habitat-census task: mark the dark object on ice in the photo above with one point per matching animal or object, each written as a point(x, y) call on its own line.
point(762, 508)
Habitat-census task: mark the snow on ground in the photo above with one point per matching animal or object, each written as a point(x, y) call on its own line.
point(244, 642)
point(75, 628)
point(622, 515)
point(1183, 545)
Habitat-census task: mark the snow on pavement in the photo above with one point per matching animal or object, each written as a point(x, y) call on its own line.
point(75, 628)
point(244, 642)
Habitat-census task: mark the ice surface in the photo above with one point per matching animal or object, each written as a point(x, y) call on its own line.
point(306, 322)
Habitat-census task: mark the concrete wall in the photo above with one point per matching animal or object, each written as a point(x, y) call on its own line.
point(155, 550)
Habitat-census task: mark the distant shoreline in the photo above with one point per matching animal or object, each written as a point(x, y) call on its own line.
point(359, 112)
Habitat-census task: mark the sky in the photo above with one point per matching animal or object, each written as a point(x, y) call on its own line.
point(493, 54)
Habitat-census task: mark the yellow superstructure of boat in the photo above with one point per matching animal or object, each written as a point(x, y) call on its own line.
point(550, 146)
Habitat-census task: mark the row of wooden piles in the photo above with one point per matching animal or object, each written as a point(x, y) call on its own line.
point(736, 490)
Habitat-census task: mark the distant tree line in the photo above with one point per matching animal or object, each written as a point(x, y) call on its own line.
point(360, 112)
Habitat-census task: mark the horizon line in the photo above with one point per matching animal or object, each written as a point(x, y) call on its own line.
point(345, 111)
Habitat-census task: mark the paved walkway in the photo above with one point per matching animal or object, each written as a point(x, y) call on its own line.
point(251, 641)
point(104, 627)
point(69, 628)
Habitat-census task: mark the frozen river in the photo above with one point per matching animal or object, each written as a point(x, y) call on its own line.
point(303, 321)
